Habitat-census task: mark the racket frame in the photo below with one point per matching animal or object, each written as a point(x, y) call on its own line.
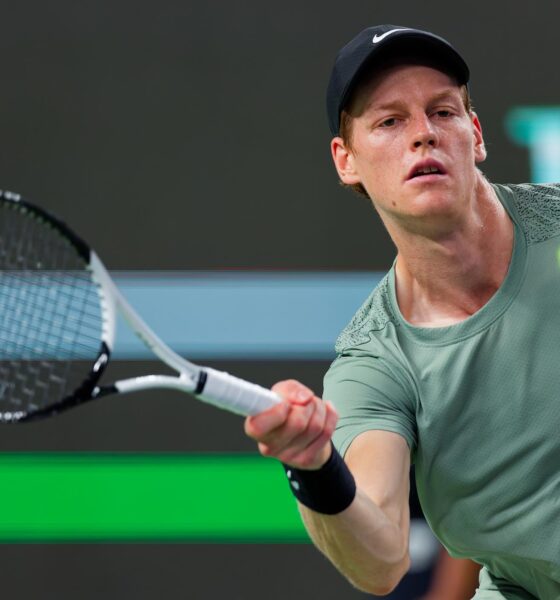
point(215, 387)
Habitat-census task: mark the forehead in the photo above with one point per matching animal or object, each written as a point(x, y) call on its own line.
point(401, 81)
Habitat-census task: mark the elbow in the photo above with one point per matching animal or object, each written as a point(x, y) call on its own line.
point(379, 588)
point(383, 590)
point(380, 591)
point(385, 584)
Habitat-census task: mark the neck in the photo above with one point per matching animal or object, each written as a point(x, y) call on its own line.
point(446, 273)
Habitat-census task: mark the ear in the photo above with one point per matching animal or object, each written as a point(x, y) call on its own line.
point(479, 147)
point(344, 162)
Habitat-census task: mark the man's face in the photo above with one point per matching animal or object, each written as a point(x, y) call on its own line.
point(414, 146)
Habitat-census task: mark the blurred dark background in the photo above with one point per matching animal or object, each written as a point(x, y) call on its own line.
point(200, 126)
point(183, 135)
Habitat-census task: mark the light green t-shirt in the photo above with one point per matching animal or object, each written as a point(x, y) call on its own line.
point(478, 403)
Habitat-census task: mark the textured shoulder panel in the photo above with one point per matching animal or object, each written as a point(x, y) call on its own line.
point(539, 209)
point(373, 315)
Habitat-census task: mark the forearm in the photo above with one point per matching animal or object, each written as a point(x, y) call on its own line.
point(355, 512)
point(367, 547)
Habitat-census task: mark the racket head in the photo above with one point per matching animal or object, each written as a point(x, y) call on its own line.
point(56, 320)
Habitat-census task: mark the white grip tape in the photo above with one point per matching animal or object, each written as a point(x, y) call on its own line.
point(236, 395)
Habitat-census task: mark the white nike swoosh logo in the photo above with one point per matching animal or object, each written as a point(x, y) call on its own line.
point(378, 38)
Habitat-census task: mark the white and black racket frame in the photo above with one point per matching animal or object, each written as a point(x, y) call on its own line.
point(210, 385)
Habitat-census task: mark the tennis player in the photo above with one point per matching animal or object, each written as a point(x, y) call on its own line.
point(453, 360)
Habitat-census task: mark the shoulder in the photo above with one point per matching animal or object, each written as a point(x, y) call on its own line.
point(374, 315)
point(537, 207)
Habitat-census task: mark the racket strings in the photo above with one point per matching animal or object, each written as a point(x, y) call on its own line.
point(47, 303)
point(28, 386)
point(61, 305)
point(50, 313)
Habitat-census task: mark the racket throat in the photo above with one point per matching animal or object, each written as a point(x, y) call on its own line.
point(105, 390)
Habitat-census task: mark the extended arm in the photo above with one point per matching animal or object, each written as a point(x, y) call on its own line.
point(368, 541)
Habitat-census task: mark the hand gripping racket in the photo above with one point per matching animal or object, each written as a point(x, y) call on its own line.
point(58, 309)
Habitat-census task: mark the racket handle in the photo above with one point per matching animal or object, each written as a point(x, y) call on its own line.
point(236, 395)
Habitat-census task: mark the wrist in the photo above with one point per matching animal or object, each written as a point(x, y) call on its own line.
point(326, 454)
point(329, 489)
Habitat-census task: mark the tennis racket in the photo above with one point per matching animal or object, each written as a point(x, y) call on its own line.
point(58, 313)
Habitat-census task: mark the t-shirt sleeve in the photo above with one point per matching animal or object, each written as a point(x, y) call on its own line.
point(369, 394)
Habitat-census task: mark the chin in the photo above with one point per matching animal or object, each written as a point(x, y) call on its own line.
point(435, 206)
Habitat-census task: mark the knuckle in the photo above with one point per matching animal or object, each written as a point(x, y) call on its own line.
point(249, 428)
point(318, 420)
point(265, 449)
point(315, 428)
point(290, 388)
point(298, 424)
point(287, 457)
point(284, 385)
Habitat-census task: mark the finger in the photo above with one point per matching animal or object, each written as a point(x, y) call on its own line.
point(312, 430)
point(308, 457)
point(293, 391)
point(295, 425)
point(259, 426)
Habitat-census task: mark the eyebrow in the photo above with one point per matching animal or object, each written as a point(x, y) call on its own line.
point(443, 95)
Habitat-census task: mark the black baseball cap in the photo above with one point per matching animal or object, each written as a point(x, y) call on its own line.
point(376, 45)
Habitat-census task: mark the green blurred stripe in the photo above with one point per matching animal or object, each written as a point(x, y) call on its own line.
point(119, 497)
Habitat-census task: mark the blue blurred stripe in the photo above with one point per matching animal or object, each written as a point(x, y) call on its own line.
point(242, 315)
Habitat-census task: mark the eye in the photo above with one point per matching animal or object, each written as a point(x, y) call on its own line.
point(443, 113)
point(390, 122)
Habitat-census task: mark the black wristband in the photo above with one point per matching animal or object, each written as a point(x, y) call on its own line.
point(328, 490)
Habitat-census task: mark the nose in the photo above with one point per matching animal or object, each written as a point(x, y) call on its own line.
point(424, 134)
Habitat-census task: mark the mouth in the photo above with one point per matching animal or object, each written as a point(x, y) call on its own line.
point(426, 170)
